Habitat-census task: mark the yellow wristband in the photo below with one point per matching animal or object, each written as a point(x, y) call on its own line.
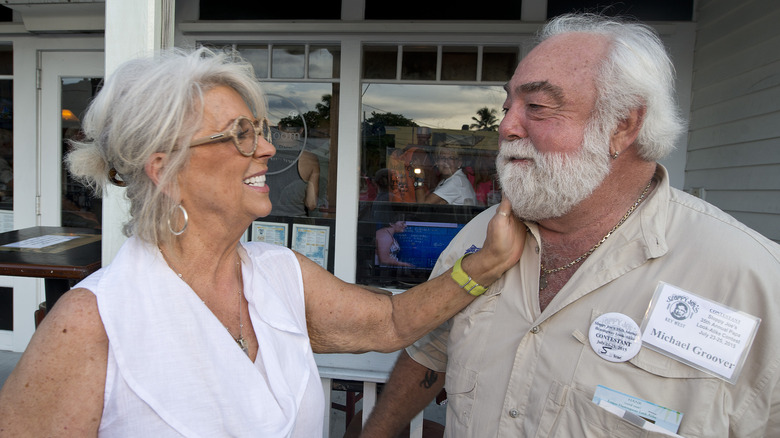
point(464, 280)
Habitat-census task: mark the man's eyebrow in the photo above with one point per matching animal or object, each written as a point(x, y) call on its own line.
point(553, 91)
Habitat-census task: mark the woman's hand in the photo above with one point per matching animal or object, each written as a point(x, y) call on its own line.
point(502, 248)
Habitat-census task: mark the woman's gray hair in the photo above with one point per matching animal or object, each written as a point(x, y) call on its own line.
point(150, 105)
point(636, 73)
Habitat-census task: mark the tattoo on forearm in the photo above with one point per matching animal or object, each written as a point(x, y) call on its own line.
point(430, 378)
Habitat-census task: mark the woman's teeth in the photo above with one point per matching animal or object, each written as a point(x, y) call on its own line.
point(255, 181)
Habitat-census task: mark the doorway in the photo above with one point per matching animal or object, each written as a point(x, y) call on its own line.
point(69, 81)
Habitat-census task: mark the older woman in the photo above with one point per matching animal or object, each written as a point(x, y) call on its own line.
point(454, 187)
point(188, 332)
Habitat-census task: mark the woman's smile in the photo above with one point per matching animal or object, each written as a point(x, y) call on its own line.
point(257, 182)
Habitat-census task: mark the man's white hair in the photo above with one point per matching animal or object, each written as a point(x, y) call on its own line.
point(637, 73)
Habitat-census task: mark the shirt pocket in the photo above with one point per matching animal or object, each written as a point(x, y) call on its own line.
point(484, 306)
point(659, 379)
point(647, 360)
point(461, 386)
point(571, 413)
point(664, 366)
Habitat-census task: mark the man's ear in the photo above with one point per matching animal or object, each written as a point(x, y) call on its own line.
point(627, 131)
point(155, 165)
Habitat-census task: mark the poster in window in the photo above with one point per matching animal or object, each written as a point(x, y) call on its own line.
point(312, 241)
point(269, 232)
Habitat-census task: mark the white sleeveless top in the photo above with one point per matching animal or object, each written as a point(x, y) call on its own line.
point(174, 370)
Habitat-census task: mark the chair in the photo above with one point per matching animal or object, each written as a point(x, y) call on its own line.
point(39, 314)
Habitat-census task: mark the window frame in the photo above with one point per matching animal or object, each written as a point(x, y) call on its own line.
point(352, 40)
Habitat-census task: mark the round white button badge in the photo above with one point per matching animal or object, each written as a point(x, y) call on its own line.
point(615, 337)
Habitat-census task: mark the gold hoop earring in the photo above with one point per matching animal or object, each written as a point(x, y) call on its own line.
point(186, 220)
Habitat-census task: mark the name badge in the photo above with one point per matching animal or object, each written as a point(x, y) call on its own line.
point(615, 337)
point(698, 332)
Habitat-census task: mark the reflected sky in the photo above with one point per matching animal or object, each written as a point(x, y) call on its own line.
point(435, 106)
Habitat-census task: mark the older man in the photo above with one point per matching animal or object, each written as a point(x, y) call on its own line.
point(556, 348)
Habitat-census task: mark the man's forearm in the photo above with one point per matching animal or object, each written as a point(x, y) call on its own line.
point(410, 388)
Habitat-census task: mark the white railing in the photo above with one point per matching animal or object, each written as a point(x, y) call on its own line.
point(369, 368)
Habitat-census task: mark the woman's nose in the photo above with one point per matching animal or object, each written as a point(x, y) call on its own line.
point(264, 148)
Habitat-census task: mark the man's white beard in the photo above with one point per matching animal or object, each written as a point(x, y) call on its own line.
point(553, 183)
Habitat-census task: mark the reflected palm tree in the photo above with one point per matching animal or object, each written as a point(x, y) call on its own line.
point(486, 120)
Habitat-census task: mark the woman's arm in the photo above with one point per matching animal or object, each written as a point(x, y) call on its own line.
point(425, 197)
point(57, 387)
point(344, 318)
point(309, 169)
point(383, 243)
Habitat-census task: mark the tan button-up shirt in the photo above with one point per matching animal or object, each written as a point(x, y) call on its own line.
point(513, 371)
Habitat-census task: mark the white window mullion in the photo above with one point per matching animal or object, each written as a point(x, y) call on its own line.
point(348, 164)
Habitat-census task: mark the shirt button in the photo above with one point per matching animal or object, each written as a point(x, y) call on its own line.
point(537, 250)
point(513, 413)
point(535, 329)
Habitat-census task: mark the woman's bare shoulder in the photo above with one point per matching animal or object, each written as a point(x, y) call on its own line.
point(61, 375)
point(78, 310)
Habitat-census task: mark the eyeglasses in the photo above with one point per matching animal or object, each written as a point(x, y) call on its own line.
point(244, 132)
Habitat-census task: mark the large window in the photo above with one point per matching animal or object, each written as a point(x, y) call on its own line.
point(302, 90)
point(425, 158)
point(429, 139)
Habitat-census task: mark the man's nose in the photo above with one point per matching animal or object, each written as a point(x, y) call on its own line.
point(512, 126)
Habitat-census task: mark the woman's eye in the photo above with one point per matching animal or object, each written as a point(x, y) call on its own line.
point(243, 134)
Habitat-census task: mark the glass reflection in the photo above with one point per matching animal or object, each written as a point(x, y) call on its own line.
point(299, 174)
point(459, 64)
point(324, 62)
point(79, 207)
point(419, 63)
point(380, 62)
point(427, 168)
point(498, 63)
point(302, 175)
point(258, 56)
point(6, 154)
point(6, 59)
point(403, 125)
point(288, 61)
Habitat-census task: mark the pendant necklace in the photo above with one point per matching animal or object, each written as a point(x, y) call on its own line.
point(240, 341)
point(545, 272)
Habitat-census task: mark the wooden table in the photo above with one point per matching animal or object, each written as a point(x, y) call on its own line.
point(61, 264)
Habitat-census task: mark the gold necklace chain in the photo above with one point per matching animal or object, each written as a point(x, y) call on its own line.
point(242, 343)
point(545, 272)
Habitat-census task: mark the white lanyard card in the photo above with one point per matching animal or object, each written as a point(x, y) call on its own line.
point(699, 332)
